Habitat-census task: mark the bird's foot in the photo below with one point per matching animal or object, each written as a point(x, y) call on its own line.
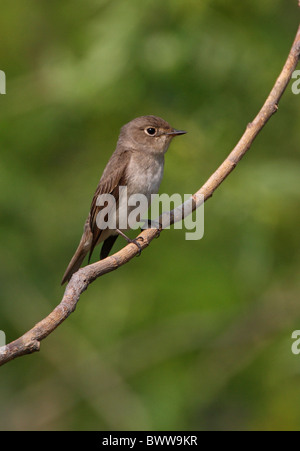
point(136, 242)
point(148, 224)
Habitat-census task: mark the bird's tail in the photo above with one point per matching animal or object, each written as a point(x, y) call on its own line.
point(81, 252)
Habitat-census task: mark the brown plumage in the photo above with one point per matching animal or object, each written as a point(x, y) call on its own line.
point(137, 163)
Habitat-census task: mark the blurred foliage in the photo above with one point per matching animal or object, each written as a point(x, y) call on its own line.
point(193, 334)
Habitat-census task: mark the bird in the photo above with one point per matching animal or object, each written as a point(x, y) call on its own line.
point(137, 164)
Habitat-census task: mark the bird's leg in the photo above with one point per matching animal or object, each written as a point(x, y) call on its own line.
point(149, 224)
point(135, 241)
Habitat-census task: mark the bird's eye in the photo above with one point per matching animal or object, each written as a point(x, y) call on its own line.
point(150, 131)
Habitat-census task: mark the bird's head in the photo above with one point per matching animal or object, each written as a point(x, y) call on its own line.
point(149, 134)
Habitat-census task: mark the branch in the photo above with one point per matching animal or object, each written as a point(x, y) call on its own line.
point(30, 341)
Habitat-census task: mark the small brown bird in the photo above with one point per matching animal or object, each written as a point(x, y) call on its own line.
point(137, 164)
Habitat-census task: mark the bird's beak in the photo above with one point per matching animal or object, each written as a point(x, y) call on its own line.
point(175, 132)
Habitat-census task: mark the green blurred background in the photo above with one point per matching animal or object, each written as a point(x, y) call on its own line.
point(193, 334)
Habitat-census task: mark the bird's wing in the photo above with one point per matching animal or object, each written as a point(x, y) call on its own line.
point(113, 177)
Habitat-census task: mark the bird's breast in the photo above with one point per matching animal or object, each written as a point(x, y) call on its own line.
point(144, 175)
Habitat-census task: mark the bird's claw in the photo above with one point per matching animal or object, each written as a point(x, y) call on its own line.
point(135, 241)
point(158, 233)
point(148, 224)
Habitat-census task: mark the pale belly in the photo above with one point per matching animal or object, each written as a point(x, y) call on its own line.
point(135, 198)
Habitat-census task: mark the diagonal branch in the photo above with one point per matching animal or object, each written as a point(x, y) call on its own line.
point(30, 341)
